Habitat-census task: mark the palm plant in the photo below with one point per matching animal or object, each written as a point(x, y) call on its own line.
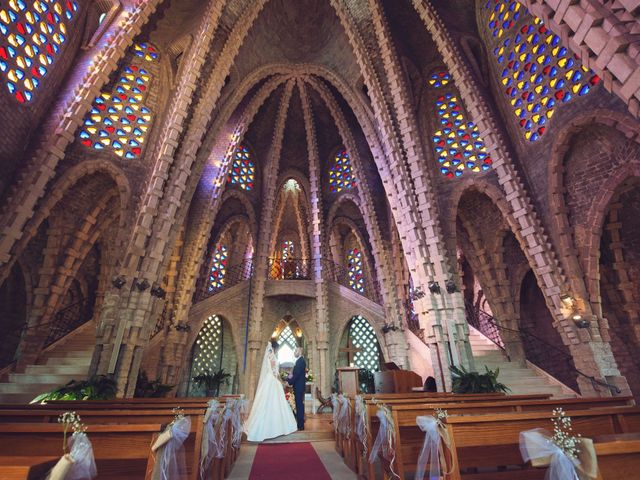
point(211, 381)
point(146, 388)
point(464, 381)
point(97, 387)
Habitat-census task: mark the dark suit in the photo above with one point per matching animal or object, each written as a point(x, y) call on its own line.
point(298, 381)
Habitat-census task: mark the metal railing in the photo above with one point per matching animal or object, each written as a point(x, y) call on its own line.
point(161, 322)
point(289, 269)
point(233, 275)
point(543, 354)
point(341, 275)
point(67, 320)
point(484, 323)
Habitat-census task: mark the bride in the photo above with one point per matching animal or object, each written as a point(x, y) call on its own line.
point(271, 414)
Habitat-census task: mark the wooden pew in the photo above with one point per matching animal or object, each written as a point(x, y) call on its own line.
point(164, 415)
point(25, 468)
point(618, 456)
point(409, 437)
point(122, 452)
point(492, 441)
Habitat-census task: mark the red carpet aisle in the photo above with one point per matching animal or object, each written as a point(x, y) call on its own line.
point(287, 460)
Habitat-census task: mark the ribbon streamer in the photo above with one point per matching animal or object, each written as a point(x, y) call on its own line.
point(209, 437)
point(169, 463)
point(385, 440)
point(221, 430)
point(79, 463)
point(432, 452)
point(536, 446)
point(239, 409)
point(344, 416)
point(336, 410)
point(362, 425)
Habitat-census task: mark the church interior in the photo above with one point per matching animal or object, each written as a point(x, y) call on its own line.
point(435, 200)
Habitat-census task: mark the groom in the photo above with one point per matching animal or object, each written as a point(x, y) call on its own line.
point(297, 379)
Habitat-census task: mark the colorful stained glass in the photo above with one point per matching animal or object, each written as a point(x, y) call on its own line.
point(119, 119)
point(356, 275)
point(218, 268)
point(287, 249)
point(32, 36)
point(243, 169)
point(504, 15)
point(539, 73)
point(363, 337)
point(457, 141)
point(340, 175)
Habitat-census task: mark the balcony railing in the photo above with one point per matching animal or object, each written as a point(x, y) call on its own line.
point(289, 269)
point(67, 320)
point(233, 275)
point(341, 275)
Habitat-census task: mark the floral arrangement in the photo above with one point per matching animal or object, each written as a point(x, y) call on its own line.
point(440, 415)
point(291, 398)
point(562, 434)
point(71, 422)
point(309, 376)
point(178, 414)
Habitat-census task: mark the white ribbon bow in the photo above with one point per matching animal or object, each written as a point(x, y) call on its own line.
point(430, 452)
point(79, 463)
point(170, 462)
point(536, 446)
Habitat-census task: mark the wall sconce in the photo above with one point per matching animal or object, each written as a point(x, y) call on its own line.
point(158, 291)
point(119, 281)
point(142, 285)
point(451, 286)
point(580, 322)
point(389, 327)
point(434, 287)
point(182, 327)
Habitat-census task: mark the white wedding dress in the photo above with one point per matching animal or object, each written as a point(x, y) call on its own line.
point(271, 415)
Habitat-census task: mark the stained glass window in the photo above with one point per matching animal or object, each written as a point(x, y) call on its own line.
point(340, 175)
point(243, 169)
point(33, 33)
point(457, 141)
point(504, 15)
point(218, 268)
point(363, 337)
point(537, 72)
point(287, 249)
point(354, 264)
point(208, 347)
point(119, 119)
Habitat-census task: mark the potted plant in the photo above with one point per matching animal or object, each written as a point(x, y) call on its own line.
point(97, 387)
point(211, 381)
point(476, 382)
point(146, 388)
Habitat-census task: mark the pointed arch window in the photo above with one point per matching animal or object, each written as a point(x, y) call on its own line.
point(243, 169)
point(537, 72)
point(340, 174)
point(218, 268)
point(356, 274)
point(457, 142)
point(119, 119)
point(32, 36)
point(363, 337)
point(207, 355)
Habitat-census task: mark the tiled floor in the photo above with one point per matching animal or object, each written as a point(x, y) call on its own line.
point(325, 450)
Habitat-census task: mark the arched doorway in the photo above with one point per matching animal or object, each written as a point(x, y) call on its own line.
point(288, 336)
point(214, 355)
point(541, 341)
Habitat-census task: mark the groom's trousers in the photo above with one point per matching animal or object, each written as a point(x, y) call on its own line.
point(300, 409)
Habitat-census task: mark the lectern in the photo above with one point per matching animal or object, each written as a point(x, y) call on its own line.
point(348, 381)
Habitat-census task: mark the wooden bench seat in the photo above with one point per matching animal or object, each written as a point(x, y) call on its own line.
point(618, 456)
point(122, 452)
point(25, 467)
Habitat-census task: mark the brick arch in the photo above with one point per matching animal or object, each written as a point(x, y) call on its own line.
point(561, 224)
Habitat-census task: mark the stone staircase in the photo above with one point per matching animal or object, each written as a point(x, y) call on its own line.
point(521, 379)
point(67, 359)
